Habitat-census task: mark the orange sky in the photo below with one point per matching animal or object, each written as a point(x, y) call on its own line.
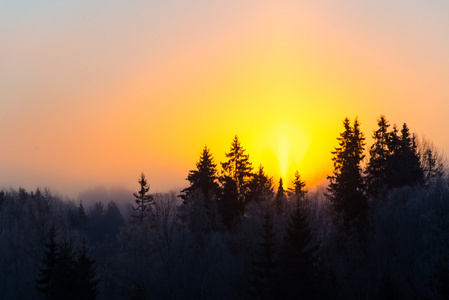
point(95, 92)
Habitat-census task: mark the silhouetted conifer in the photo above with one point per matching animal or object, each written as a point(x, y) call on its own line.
point(45, 284)
point(376, 170)
point(113, 220)
point(86, 283)
point(280, 196)
point(260, 187)
point(229, 205)
point(297, 191)
point(238, 168)
point(143, 200)
point(63, 276)
point(404, 168)
point(204, 178)
point(346, 187)
point(298, 255)
point(263, 274)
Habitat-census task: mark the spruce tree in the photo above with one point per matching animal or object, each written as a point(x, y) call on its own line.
point(263, 273)
point(346, 187)
point(45, 284)
point(299, 274)
point(404, 168)
point(297, 190)
point(229, 205)
point(280, 196)
point(260, 187)
point(143, 200)
point(204, 178)
point(238, 167)
point(65, 276)
point(376, 170)
point(86, 284)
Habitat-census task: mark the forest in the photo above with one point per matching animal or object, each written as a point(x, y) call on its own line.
point(377, 231)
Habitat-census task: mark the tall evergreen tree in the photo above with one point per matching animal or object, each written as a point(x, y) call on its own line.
point(143, 200)
point(280, 196)
point(229, 205)
point(45, 283)
point(297, 190)
point(235, 180)
point(263, 273)
point(404, 168)
point(65, 276)
point(376, 170)
point(86, 284)
point(204, 178)
point(260, 187)
point(346, 187)
point(299, 274)
point(238, 167)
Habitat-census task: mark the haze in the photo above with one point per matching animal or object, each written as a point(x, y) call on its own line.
point(95, 92)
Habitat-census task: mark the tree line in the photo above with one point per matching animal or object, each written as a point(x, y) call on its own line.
point(377, 231)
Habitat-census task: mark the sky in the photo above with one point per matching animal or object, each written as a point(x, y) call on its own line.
point(92, 93)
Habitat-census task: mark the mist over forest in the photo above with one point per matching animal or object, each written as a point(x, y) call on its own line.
point(377, 230)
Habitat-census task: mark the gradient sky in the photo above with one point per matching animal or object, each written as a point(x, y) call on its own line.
point(95, 92)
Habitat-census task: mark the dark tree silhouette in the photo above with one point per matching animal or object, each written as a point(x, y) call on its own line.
point(263, 273)
point(404, 168)
point(143, 200)
point(86, 283)
point(280, 196)
point(376, 170)
point(432, 162)
point(346, 187)
point(64, 276)
point(204, 178)
point(238, 167)
point(260, 187)
point(229, 205)
point(45, 284)
point(298, 255)
point(297, 191)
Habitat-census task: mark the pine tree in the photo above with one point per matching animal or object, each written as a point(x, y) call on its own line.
point(376, 170)
point(143, 200)
point(297, 190)
point(263, 275)
point(86, 284)
point(298, 256)
point(404, 168)
point(64, 276)
point(260, 187)
point(280, 196)
point(346, 187)
point(238, 167)
point(229, 205)
point(45, 284)
point(82, 218)
point(204, 178)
